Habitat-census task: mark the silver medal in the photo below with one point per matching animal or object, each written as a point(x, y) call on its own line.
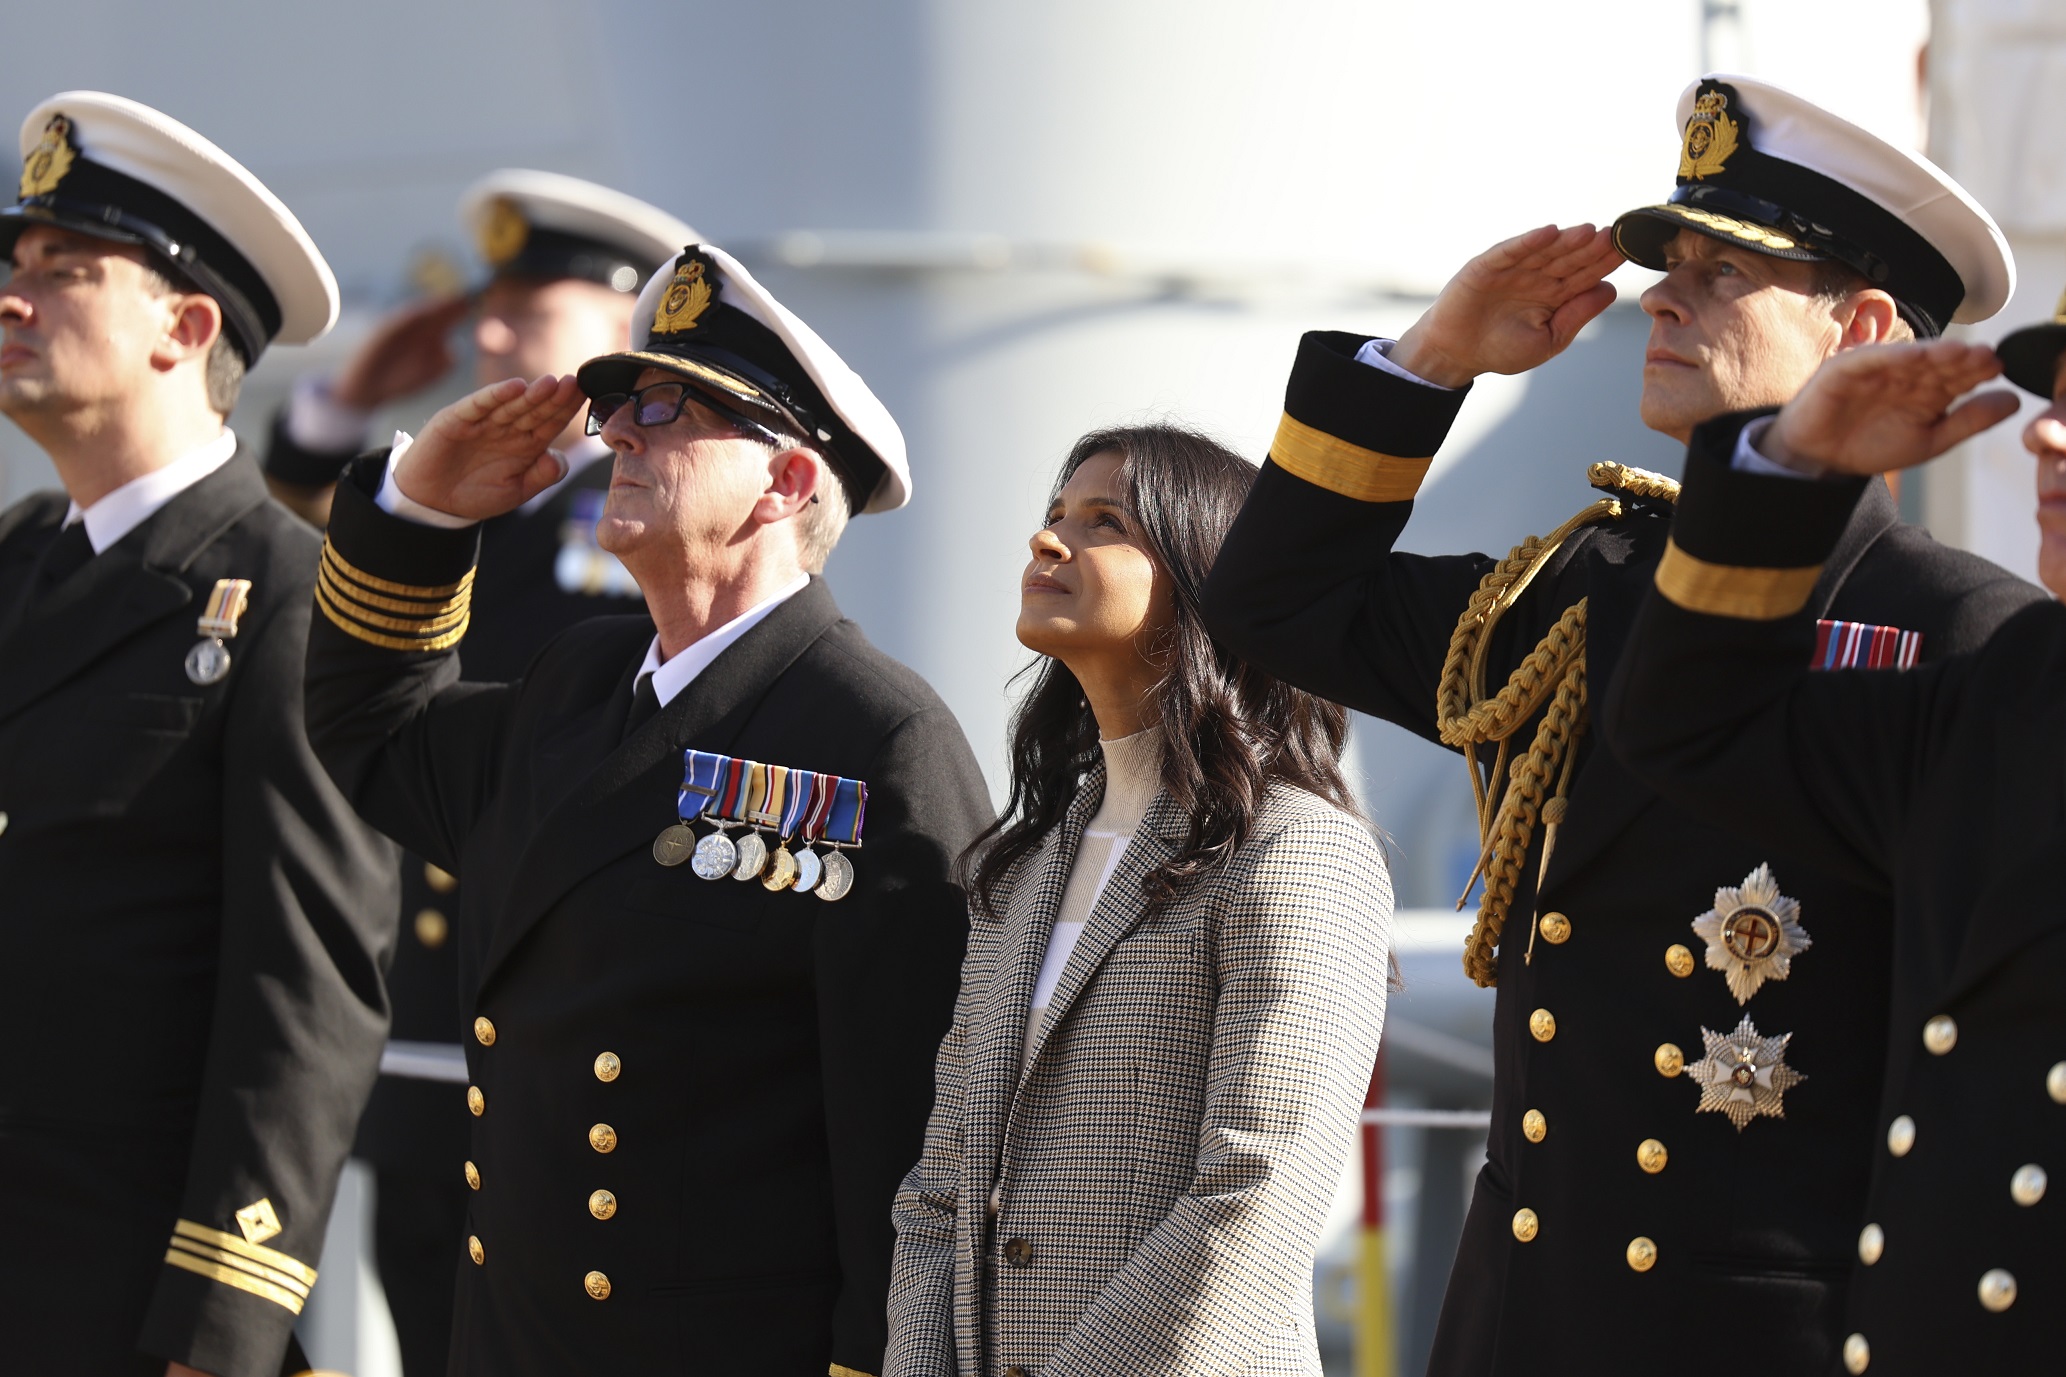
point(714, 857)
point(839, 877)
point(810, 868)
point(208, 662)
point(673, 845)
point(752, 857)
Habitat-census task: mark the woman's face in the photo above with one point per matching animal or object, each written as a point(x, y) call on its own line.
point(1092, 591)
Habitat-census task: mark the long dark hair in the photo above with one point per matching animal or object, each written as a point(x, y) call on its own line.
point(1229, 730)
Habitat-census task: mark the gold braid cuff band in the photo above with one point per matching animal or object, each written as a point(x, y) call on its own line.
point(224, 1257)
point(1549, 679)
point(838, 1370)
point(1338, 466)
point(427, 618)
point(1728, 590)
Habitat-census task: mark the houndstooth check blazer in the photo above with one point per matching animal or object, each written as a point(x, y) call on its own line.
point(1162, 1171)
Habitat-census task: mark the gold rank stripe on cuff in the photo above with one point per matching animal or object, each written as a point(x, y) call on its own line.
point(1730, 590)
point(263, 1272)
point(1327, 461)
point(836, 1370)
point(427, 617)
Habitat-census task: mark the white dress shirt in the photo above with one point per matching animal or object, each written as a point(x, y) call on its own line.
point(138, 500)
point(670, 677)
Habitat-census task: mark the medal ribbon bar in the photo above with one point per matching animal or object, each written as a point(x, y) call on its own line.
point(702, 773)
point(849, 811)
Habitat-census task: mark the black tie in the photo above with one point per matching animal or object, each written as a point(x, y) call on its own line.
point(645, 706)
point(63, 557)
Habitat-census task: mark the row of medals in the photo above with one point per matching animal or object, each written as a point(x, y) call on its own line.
point(830, 876)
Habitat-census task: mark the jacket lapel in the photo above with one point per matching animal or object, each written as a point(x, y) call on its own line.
point(124, 588)
point(625, 790)
point(997, 1034)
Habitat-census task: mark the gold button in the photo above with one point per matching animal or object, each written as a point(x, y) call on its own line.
point(1901, 1135)
point(1678, 960)
point(484, 1032)
point(2026, 1187)
point(476, 1101)
point(1651, 1156)
point(432, 929)
point(473, 1177)
point(2055, 1082)
point(608, 1068)
point(475, 1251)
point(1556, 929)
point(1669, 1059)
point(1872, 1242)
point(597, 1285)
point(602, 1138)
point(1526, 1225)
point(1997, 1289)
point(1857, 1354)
point(602, 1204)
point(440, 881)
point(1543, 1024)
point(1940, 1034)
point(1534, 1127)
point(1642, 1254)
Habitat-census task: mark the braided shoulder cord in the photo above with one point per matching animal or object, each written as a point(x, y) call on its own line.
point(1553, 672)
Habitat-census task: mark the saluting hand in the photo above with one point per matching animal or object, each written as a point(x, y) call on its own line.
point(488, 453)
point(1512, 308)
point(406, 353)
point(1883, 407)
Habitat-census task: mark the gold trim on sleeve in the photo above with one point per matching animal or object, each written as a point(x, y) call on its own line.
point(341, 619)
point(225, 1258)
point(242, 1281)
point(380, 585)
point(1727, 590)
point(836, 1370)
point(435, 616)
point(251, 1252)
point(1367, 475)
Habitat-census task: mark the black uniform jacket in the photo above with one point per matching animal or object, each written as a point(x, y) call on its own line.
point(1946, 786)
point(1761, 1224)
point(522, 598)
point(714, 1195)
point(191, 923)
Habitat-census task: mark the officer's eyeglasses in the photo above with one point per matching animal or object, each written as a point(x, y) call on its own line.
point(662, 403)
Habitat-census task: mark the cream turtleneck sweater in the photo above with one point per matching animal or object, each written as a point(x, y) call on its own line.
point(1133, 775)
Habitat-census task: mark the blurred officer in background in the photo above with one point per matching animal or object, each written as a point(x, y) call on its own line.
point(1946, 786)
point(1637, 949)
point(191, 919)
point(567, 259)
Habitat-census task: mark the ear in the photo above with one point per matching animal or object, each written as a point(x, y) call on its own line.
point(195, 325)
point(1867, 316)
point(794, 475)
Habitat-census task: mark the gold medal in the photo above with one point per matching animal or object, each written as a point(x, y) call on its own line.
point(781, 871)
point(839, 877)
point(714, 857)
point(809, 870)
point(752, 857)
point(674, 844)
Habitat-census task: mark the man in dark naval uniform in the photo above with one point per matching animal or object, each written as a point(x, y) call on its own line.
point(710, 933)
point(567, 259)
point(192, 919)
point(1637, 950)
point(1944, 786)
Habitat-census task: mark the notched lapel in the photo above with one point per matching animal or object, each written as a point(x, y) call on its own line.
point(627, 795)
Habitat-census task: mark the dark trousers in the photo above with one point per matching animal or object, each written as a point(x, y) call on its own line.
point(419, 1240)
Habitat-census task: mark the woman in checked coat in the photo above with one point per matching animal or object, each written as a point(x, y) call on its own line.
point(1175, 981)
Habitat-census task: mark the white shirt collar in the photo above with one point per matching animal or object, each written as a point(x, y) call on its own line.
point(672, 676)
point(138, 500)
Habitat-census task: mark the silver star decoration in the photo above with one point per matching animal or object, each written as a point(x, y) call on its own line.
point(1744, 1074)
point(1752, 933)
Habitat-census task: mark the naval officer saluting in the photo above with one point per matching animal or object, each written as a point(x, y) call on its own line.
point(566, 259)
point(709, 918)
point(190, 916)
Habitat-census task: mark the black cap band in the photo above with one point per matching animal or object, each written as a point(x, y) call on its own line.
point(107, 204)
point(548, 254)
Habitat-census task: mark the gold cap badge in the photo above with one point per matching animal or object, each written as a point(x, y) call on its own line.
point(687, 297)
point(1711, 136)
point(49, 160)
point(504, 232)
